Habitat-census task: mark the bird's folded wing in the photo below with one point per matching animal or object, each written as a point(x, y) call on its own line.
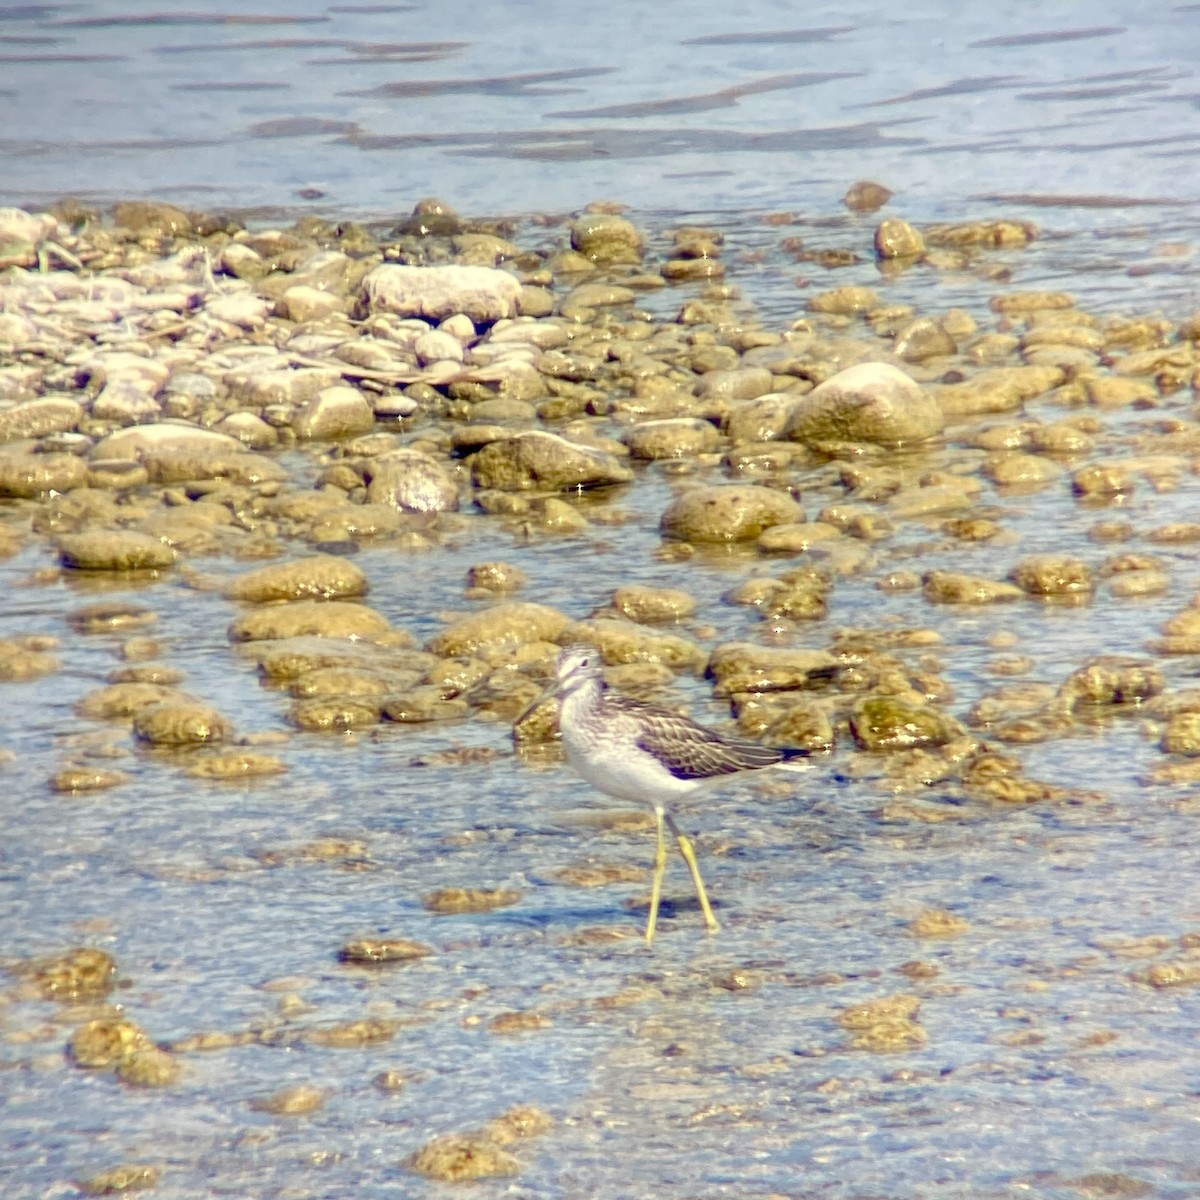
point(688, 750)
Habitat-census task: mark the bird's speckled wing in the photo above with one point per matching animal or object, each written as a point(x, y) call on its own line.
point(688, 750)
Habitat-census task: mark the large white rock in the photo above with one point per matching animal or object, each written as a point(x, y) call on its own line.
point(485, 294)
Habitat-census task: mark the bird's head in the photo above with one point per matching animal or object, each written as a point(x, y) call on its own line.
point(578, 666)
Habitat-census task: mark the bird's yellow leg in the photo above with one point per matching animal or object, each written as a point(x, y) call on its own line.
point(689, 857)
point(660, 866)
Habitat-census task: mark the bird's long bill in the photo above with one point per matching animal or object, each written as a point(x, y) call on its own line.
point(541, 699)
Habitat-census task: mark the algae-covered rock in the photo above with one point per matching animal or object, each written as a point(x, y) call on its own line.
point(470, 900)
point(375, 950)
point(1053, 575)
point(890, 723)
point(460, 1156)
point(180, 723)
point(297, 1101)
point(114, 550)
point(31, 475)
point(150, 1067)
point(544, 461)
point(319, 576)
point(736, 512)
point(85, 973)
point(105, 1042)
point(871, 402)
point(310, 618)
point(513, 623)
point(128, 1177)
point(676, 437)
point(653, 605)
point(954, 587)
point(606, 238)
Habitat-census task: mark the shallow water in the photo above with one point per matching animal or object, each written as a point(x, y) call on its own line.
point(1049, 1069)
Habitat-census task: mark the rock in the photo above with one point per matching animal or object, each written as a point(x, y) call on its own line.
point(1002, 389)
point(1112, 680)
point(653, 605)
point(72, 780)
point(1053, 575)
point(866, 196)
point(105, 1042)
point(236, 764)
point(29, 476)
point(263, 384)
point(728, 513)
point(953, 587)
point(114, 550)
point(871, 402)
point(320, 576)
point(242, 309)
point(678, 437)
point(845, 301)
point(890, 723)
point(125, 402)
point(36, 418)
point(622, 643)
point(310, 618)
point(376, 950)
point(150, 1067)
point(741, 383)
point(762, 419)
point(128, 1177)
point(296, 1101)
point(180, 723)
point(923, 339)
point(1010, 468)
point(152, 218)
point(496, 578)
point(122, 700)
point(301, 303)
point(410, 481)
point(503, 626)
point(168, 437)
point(470, 900)
point(895, 238)
point(458, 1156)
point(334, 412)
point(606, 239)
point(546, 462)
point(84, 973)
point(335, 713)
point(485, 294)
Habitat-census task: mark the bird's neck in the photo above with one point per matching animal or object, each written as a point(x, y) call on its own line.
point(583, 695)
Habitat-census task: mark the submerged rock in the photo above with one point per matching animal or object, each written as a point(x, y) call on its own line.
point(728, 513)
point(871, 402)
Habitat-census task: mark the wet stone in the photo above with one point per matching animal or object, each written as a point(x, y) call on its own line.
point(1053, 575)
point(310, 618)
point(236, 764)
point(462, 1156)
point(72, 780)
point(518, 1022)
point(85, 973)
point(180, 723)
point(470, 900)
point(129, 1177)
point(321, 576)
point(150, 1067)
point(105, 1043)
point(728, 513)
point(115, 550)
point(297, 1101)
point(651, 605)
point(383, 950)
point(937, 923)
